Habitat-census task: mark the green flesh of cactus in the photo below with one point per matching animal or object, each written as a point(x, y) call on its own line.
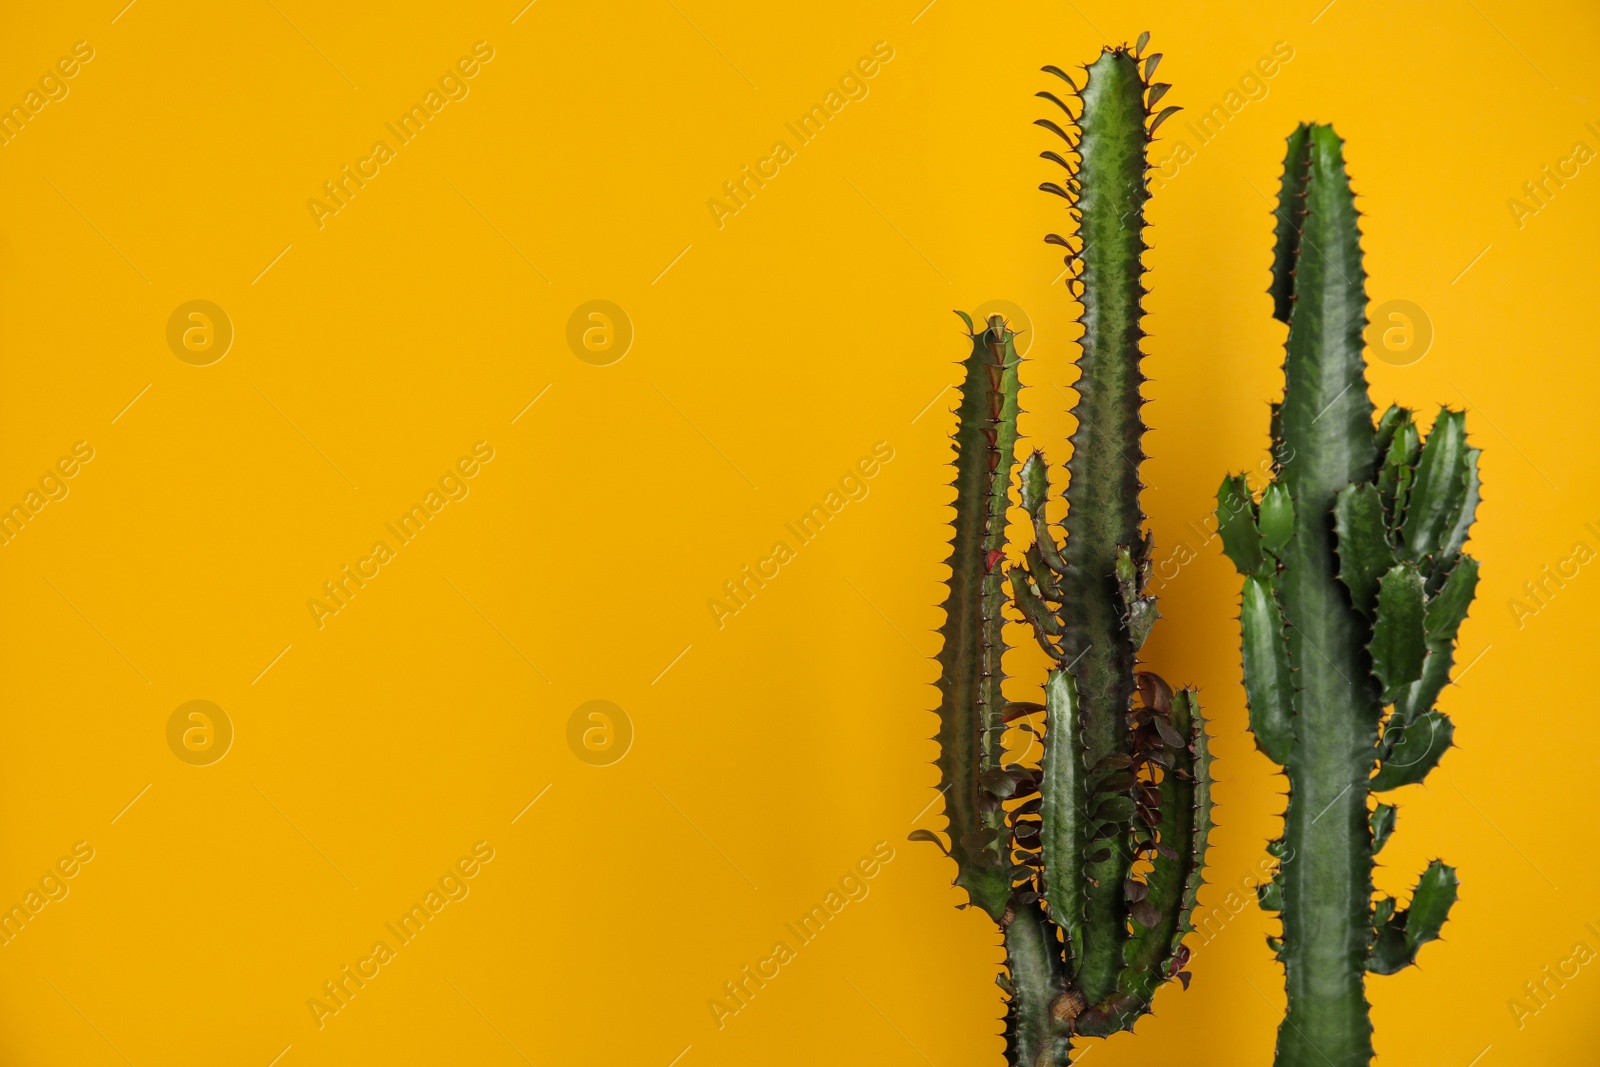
point(1354, 589)
point(1095, 872)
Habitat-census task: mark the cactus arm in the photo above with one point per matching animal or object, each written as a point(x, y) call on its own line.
point(1464, 519)
point(1103, 512)
point(1268, 689)
point(1382, 822)
point(1064, 809)
point(1440, 487)
point(1399, 639)
point(1236, 522)
point(1163, 907)
point(1037, 1033)
point(1400, 935)
point(971, 708)
point(1413, 749)
point(1328, 432)
point(1442, 620)
point(1397, 469)
point(1365, 555)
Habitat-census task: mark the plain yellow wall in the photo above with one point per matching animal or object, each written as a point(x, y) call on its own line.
point(773, 349)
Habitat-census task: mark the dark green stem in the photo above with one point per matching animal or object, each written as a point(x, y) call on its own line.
point(1103, 511)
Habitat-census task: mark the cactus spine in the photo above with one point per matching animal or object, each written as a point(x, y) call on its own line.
point(1091, 863)
point(1354, 588)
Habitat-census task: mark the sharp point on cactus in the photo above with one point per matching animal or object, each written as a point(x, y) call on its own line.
point(1354, 588)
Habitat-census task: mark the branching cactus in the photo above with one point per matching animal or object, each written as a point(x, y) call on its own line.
point(1091, 860)
point(1354, 587)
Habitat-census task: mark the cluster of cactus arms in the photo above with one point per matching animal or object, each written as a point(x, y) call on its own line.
point(1354, 587)
point(1091, 857)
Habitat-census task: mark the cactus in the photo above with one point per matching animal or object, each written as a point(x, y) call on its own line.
point(1090, 862)
point(1354, 587)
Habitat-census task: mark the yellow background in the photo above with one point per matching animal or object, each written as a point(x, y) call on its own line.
point(776, 351)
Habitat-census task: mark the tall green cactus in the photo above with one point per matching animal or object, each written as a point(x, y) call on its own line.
point(1354, 588)
point(1091, 863)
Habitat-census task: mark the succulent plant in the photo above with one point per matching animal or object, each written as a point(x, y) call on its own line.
point(1354, 587)
point(1090, 861)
